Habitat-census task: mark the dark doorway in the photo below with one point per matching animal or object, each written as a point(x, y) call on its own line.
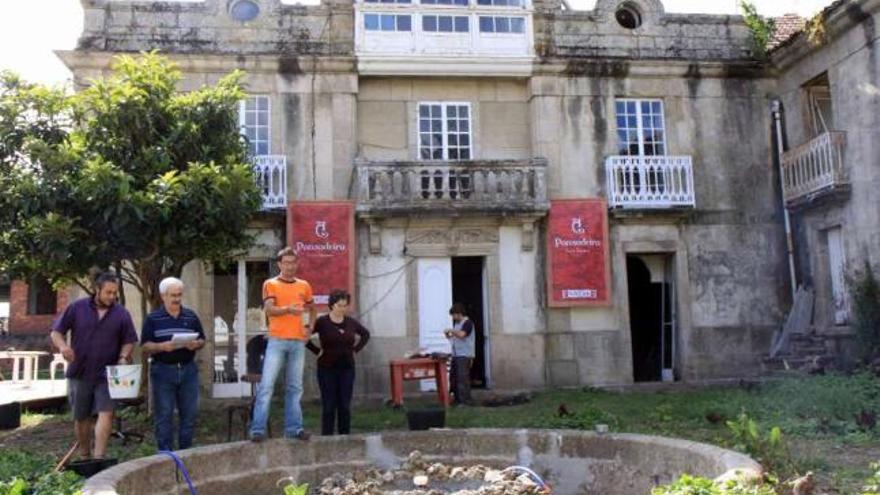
point(467, 288)
point(651, 318)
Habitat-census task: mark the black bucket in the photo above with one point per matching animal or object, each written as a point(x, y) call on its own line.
point(90, 467)
point(10, 416)
point(425, 419)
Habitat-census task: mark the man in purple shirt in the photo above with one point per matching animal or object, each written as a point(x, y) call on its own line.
point(102, 334)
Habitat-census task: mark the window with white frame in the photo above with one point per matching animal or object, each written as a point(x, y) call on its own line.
point(501, 24)
point(460, 3)
point(501, 3)
point(641, 129)
point(253, 119)
point(445, 24)
point(387, 22)
point(445, 131)
point(388, 1)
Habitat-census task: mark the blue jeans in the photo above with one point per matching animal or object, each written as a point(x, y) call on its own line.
point(175, 386)
point(276, 352)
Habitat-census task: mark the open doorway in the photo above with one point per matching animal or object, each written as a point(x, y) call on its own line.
point(468, 288)
point(652, 316)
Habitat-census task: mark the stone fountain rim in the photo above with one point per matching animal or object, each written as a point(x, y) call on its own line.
point(104, 483)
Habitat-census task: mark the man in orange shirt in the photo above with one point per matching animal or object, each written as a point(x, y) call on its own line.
point(285, 298)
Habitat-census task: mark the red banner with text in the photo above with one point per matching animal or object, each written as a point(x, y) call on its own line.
point(322, 233)
point(577, 253)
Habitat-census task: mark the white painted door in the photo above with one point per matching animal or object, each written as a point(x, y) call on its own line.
point(435, 298)
point(837, 262)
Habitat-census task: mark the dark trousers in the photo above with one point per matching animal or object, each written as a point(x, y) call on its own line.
point(336, 389)
point(175, 387)
point(460, 377)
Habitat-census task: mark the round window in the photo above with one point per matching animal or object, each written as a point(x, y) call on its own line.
point(244, 10)
point(628, 16)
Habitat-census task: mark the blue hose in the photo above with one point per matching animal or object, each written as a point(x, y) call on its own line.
point(179, 463)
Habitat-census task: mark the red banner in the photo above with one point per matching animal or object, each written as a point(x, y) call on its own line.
point(577, 253)
point(322, 233)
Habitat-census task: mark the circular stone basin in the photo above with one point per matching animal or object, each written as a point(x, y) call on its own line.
point(572, 462)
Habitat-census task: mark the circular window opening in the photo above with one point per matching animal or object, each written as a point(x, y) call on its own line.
point(628, 16)
point(244, 10)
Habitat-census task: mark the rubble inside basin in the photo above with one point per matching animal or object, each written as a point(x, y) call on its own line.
point(417, 476)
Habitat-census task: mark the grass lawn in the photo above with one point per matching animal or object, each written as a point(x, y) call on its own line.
point(816, 416)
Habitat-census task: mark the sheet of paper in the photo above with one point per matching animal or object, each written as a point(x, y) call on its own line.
point(184, 337)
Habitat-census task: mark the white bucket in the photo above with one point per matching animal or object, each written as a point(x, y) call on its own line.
point(124, 381)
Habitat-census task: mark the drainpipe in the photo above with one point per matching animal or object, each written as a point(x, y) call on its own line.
point(789, 239)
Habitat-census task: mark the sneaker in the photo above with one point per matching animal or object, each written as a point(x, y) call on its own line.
point(302, 435)
point(257, 437)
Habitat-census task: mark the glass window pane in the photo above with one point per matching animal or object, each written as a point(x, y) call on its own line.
point(435, 111)
point(465, 154)
point(451, 111)
point(621, 122)
point(655, 107)
point(263, 133)
point(463, 111)
point(461, 24)
point(646, 107)
point(263, 118)
point(262, 149)
point(464, 140)
point(424, 110)
point(463, 126)
point(424, 125)
point(484, 2)
point(371, 22)
point(437, 154)
point(250, 118)
point(631, 107)
point(517, 25)
point(657, 121)
point(436, 126)
point(404, 23)
point(452, 139)
point(452, 125)
point(619, 107)
point(486, 25)
point(251, 133)
point(502, 24)
point(387, 23)
point(453, 154)
point(461, 2)
point(425, 154)
point(646, 120)
point(263, 103)
point(444, 24)
point(429, 23)
point(424, 140)
point(631, 122)
point(436, 140)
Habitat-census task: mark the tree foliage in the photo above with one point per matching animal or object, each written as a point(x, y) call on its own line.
point(129, 173)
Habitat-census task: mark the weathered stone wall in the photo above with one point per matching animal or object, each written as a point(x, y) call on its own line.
point(850, 58)
point(207, 27)
point(732, 292)
point(388, 115)
point(596, 33)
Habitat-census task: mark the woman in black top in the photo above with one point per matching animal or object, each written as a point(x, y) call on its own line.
point(341, 337)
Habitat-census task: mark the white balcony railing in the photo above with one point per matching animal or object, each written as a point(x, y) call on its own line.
point(650, 181)
point(272, 178)
point(814, 166)
point(483, 185)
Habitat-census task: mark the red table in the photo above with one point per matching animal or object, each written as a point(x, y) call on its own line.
point(419, 369)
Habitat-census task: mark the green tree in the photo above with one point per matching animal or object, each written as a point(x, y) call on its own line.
point(761, 28)
point(128, 173)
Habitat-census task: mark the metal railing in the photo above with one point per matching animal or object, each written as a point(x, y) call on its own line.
point(814, 166)
point(650, 182)
point(272, 178)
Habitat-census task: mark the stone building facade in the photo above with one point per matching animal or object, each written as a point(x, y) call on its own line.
point(402, 106)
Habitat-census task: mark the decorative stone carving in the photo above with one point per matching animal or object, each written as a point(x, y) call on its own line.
point(474, 236)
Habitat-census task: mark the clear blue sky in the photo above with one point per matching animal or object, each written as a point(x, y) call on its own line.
point(31, 29)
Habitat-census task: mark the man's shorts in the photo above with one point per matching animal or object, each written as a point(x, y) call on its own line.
point(88, 398)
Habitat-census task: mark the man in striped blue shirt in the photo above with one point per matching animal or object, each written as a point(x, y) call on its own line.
point(171, 335)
